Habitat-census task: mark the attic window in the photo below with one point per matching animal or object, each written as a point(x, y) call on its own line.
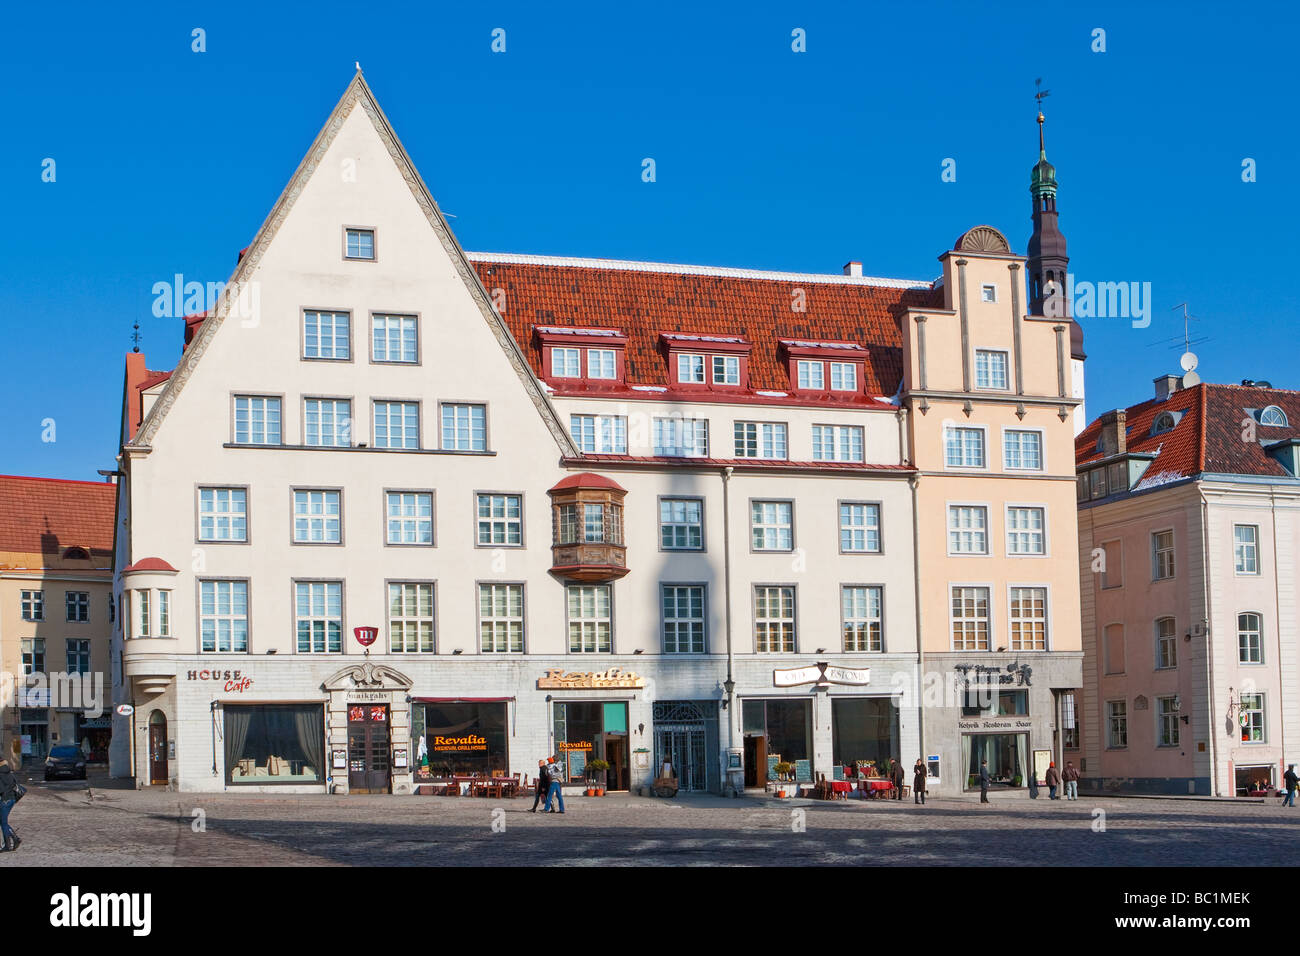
point(76, 554)
point(1164, 422)
point(1272, 415)
point(358, 244)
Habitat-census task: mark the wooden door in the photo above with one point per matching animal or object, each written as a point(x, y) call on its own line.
point(158, 750)
point(368, 759)
point(616, 756)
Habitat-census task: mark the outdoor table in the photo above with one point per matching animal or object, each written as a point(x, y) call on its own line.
point(876, 788)
point(841, 788)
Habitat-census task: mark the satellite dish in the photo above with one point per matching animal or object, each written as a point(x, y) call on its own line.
point(1190, 378)
point(1188, 361)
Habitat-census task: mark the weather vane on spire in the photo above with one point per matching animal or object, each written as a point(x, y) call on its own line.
point(1038, 100)
point(135, 337)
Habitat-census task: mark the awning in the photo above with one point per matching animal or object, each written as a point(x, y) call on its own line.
point(460, 700)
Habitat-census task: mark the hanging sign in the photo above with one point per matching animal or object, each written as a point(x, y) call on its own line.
point(365, 635)
point(615, 677)
point(125, 710)
point(821, 674)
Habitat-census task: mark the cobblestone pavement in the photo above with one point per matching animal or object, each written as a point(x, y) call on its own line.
point(69, 824)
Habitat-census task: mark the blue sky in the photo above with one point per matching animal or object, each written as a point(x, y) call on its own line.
point(168, 160)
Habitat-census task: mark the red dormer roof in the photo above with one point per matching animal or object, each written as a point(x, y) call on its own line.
point(588, 480)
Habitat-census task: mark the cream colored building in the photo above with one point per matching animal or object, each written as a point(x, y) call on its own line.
point(627, 511)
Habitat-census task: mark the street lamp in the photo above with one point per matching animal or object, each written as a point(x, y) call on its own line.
point(728, 688)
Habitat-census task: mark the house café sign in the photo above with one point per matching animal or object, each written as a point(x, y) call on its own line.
point(821, 674)
point(615, 677)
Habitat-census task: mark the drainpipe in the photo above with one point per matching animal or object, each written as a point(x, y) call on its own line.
point(1277, 624)
point(730, 685)
point(1209, 648)
point(920, 641)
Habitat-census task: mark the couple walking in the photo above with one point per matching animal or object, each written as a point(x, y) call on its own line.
point(549, 776)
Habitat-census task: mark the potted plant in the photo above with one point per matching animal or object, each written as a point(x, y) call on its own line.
point(596, 769)
point(783, 772)
point(1017, 780)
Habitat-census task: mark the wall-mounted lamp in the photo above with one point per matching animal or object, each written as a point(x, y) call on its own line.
point(821, 650)
point(1187, 719)
point(271, 651)
point(1187, 637)
point(728, 688)
point(458, 651)
point(640, 729)
point(639, 650)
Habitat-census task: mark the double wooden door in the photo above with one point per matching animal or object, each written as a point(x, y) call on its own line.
point(368, 749)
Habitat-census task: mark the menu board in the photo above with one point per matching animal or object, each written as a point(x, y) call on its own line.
point(772, 761)
point(803, 771)
point(577, 764)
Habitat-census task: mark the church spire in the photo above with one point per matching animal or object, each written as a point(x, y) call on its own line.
point(1048, 259)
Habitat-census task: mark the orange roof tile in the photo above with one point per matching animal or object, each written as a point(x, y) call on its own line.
point(48, 515)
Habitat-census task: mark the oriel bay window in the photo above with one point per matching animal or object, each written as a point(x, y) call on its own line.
point(274, 743)
point(587, 528)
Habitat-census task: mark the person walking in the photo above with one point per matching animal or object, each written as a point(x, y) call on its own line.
point(553, 788)
point(541, 786)
point(1053, 777)
point(1071, 778)
point(985, 779)
point(8, 797)
point(1292, 781)
point(918, 782)
point(899, 777)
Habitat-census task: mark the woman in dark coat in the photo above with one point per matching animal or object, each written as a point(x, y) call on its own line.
point(918, 782)
point(8, 797)
point(539, 791)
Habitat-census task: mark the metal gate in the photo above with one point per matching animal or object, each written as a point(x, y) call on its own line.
point(680, 739)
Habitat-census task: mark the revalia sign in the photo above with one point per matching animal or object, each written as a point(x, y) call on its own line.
point(614, 677)
point(467, 742)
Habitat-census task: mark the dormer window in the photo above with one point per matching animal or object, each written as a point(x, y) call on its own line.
point(834, 370)
point(580, 359)
point(1164, 422)
point(690, 369)
point(726, 370)
point(844, 377)
point(707, 361)
point(1273, 416)
point(812, 375)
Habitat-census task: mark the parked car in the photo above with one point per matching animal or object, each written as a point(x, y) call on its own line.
point(65, 762)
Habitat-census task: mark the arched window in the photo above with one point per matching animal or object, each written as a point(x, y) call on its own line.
point(1273, 416)
point(1250, 642)
point(76, 554)
point(1164, 422)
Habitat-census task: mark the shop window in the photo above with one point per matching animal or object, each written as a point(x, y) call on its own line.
point(274, 743)
point(463, 738)
point(777, 731)
point(590, 730)
point(1252, 719)
point(1006, 755)
point(863, 728)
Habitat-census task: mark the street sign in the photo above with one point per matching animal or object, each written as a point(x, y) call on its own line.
point(125, 710)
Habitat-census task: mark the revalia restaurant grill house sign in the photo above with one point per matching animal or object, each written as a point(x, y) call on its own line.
point(615, 677)
point(821, 674)
point(440, 744)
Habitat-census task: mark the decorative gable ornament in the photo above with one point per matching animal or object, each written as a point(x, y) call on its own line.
point(983, 239)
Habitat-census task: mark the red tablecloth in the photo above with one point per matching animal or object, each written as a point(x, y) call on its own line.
point(878, 785)
point(841, 786)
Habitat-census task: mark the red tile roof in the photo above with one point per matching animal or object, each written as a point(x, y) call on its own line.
point(148, 564)
point(644, 302)
point(588, 480)
point(1208, 435)
point(49, 515)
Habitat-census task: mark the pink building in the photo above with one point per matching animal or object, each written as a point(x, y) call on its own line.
point(1189, 521)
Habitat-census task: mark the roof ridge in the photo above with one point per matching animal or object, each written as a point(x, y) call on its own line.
point(65, 481)
point(1200, 445)
point(729, 272)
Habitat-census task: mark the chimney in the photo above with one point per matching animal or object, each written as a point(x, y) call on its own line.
point(1112, 440)
point(1166, 385)
point(853, 269)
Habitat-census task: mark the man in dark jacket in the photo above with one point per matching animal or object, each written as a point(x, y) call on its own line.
point(8, 797)
point(554, 790)
point(1053, 778)
point(542, 785)
point(985, 780)
point(1292, 781)
point(1071, 778)
point(899, 776)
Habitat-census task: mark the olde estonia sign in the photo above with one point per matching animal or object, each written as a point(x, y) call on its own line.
point(615, 677)
point(821, 674)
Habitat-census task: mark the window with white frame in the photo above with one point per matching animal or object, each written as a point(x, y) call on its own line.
point(810, 374)
point(409, 517)
point(861, 616)
point(837, 443)
point(968, 529)
point(327, 422)
point(1022, 449)
point(223, 514)
point(566, 363)
point(726, 370)
point(326, 335)
point(772, 525)
point(590, 621)
point(1162, 555)
point(1167, 721)
point(33, 605)
point(990, 369)
point(164, 613)
point(601, 363)
point(681, 437)
point(33, 651)
point(394, 338)
point(690, 369)
point(359, 244)
point(1025, 534)
point(988, 293)
point(410, 617)
point(844, 376)
point(464, 427)
point(1116, 724)
point(859, 527)
point(78, 654)
point(142, 622)
point(1273, 416)
point(774, 620)
point(257, 420)
point(1250, 638)
point(599, 434)
point(318, 616)
point(1166, 643)
point(761, 440)
point(77, 606)
point(501, 618)
point(963, 447)
point(681, 524)
point(683, 618)
point(397, 425)
point(500, 519)
point(970, 619)
point(223, 617)
point(1245, 538)
point(1252, 719)
point(1028, 617)
point(317, 517)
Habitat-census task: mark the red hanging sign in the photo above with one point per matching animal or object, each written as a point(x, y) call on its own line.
point(365, 635)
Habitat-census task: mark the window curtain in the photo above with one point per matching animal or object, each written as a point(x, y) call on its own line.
point(311, 738)
point(237, 722)
point(1022, 751)
point(966, 759)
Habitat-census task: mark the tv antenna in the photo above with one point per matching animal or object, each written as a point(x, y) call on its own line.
point(1188, 360)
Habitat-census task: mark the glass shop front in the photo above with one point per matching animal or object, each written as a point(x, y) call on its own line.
point(274, 743)
point(864, 734)
point(460, 738)
point(777, 731)
point(592, 730)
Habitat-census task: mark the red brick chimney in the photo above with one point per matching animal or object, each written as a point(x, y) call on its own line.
point(1113, 440)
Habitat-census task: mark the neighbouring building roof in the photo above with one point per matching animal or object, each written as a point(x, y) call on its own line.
point(49, 515)
point(1209, 436)
point(645, 300)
